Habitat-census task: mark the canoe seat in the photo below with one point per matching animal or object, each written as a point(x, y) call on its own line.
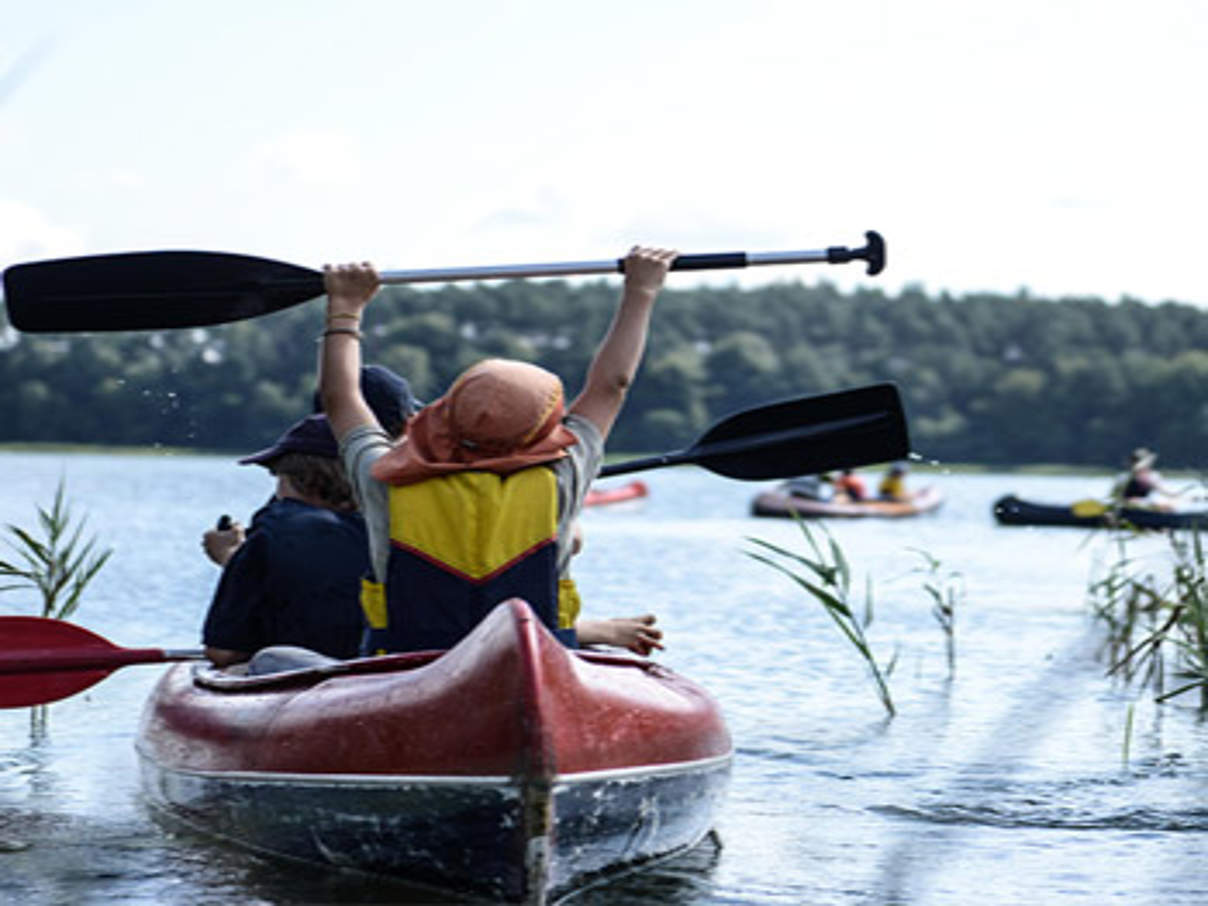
point(279, 658)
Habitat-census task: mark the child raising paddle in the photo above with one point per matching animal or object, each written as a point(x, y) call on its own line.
point(477, 502)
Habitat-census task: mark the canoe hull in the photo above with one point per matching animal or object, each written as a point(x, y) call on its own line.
point(455, 834)
point(506, 767)
point(1012, 510)
point(779, 503)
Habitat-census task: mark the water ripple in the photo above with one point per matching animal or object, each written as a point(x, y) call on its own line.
point(1040, 815)
point(1082, 803)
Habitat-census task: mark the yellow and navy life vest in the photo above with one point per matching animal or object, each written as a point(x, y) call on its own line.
point(892, 487)
point(460, 544)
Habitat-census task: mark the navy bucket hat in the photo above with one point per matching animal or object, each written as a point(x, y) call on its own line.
point(312, 436)
point(388, 395)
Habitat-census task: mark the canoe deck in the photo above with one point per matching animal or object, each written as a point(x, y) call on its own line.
point(780, 503)
point(508, 766)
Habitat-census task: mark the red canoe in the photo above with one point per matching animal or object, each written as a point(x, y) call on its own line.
point(780, 502)
point(631, 491)
point(507, 766)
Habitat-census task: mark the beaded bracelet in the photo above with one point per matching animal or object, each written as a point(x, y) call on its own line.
point(352, 332)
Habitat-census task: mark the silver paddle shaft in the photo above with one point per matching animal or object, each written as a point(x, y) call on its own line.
point(605, 266)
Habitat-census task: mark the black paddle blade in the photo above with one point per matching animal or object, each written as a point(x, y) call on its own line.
point(801, 436)
point(808, 435)
point(151, 291)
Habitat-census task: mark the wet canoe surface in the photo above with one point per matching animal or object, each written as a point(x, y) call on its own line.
point(508, 766)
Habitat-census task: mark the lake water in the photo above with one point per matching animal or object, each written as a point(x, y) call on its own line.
point(1003, 783)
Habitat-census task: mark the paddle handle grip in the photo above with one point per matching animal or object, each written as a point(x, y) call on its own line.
point(873, 253)
point(706, 262)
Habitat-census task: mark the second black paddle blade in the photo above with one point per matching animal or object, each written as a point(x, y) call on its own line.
point(808, 435)
point(151, 291)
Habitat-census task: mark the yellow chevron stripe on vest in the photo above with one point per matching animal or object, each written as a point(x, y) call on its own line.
point(569, 603)
point(373, 603)
point(476, 523)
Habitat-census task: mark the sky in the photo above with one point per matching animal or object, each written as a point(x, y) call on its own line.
point(1052, 146)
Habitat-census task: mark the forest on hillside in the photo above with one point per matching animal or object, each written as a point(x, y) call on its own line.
point(985, 378)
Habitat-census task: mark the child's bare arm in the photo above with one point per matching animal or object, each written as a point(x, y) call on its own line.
point(616, 361)
point(350, 287)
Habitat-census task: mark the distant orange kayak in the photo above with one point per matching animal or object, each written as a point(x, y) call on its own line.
point(780, 502)
point(631, 491)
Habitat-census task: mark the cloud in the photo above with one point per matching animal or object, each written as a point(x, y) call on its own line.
point(13, 75)
point(26, 233)
point(311, 159)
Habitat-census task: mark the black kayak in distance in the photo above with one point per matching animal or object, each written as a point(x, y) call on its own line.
point(1011, 510)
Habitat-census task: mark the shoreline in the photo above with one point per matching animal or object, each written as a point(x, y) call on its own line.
point(926, 467)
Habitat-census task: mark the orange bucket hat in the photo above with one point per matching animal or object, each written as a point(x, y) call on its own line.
point(499, 416)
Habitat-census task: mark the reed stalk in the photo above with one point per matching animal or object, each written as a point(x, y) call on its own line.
point(946, 591)
point(1128, 732)
point(826, 577)
point(1174, 612)
point(60, 564)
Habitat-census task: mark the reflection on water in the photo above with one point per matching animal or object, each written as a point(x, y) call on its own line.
point(679, 881)
point(1004, 782)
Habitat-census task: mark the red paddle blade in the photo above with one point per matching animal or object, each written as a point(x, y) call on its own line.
point(21, 690)
point(43, 660)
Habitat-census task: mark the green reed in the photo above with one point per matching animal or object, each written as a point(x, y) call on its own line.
point(946, 590)
point(58, 565)
point(1147, 613)
point(1192, 598)
point(1126, 747)
point(826, 577)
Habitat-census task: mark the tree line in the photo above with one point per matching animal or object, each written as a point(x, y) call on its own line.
point(986, 378)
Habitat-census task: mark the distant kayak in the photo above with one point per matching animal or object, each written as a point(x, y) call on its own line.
point(781, 502)
point(1011, 510)
point(631, 491)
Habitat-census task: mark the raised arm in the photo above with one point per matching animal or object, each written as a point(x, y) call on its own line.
point(349, 289)
point(616, 361)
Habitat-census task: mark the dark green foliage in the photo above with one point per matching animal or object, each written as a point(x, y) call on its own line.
point(993, 379)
